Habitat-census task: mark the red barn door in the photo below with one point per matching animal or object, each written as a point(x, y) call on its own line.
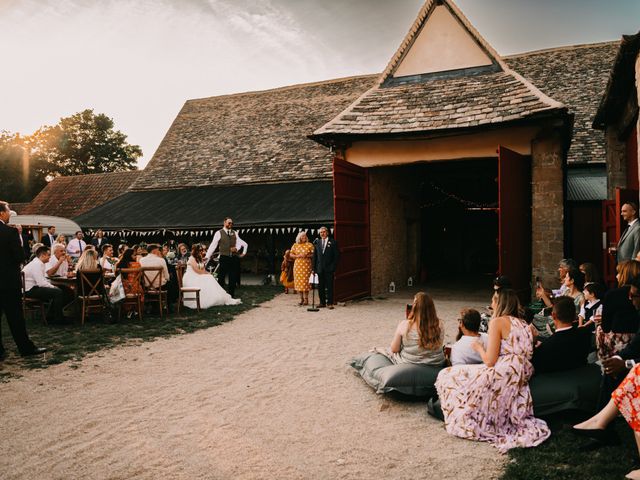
point(514, 220)
point(351, 230)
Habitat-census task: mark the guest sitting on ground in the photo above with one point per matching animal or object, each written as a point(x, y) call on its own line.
point(568, 347)
point(624, 400)
point(107, 261)
point(59, 263)
point(619, 318)
point(592, 306)
point(462, 352)
point(492, 402)
point(418, 339)
point(37, 286)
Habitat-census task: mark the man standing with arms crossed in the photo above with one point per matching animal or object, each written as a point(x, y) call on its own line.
point(10, 285)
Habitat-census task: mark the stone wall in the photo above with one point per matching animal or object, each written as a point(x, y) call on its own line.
point(547, 216)
point(388, 228)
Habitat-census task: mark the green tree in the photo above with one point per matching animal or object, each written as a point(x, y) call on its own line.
point(21, 176)
point(83, 143)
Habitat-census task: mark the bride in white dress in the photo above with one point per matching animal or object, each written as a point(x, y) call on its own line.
point(211, 293)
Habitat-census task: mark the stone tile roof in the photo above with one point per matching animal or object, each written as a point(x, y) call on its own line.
point(440, 104)
point(576, 76)
point(251, 137)
point(68, 197)
point(18, 207)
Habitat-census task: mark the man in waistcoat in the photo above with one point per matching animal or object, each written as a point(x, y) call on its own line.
point(231, 248)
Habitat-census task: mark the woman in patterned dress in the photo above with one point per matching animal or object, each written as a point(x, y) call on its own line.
point(625, 400)
point(302, 253)
point(491, 402)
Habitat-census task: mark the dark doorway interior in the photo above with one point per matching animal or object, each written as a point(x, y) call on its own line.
point(459, 219)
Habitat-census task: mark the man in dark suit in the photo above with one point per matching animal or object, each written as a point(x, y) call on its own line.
point(10, 285)
point(568, 347)
point(24, 241)
point(49, 239)
point(325, 260)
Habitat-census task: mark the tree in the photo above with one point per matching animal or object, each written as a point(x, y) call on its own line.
point(83, 143)
point(21, 177)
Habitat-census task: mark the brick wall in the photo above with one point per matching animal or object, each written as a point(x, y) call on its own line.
point(547, 216)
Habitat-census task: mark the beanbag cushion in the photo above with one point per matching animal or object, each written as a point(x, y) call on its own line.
point(384, 376)
point(575, 389)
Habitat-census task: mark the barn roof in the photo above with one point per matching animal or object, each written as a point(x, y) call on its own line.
point(253, 137)
point(70, 196)
point(577, 76)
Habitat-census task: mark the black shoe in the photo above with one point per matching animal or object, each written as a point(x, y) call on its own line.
point(322, 305)
point(604, 437)
point(35, 351)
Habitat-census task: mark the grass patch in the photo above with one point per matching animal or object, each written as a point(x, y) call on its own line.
point(560, 458)
point(73, 342)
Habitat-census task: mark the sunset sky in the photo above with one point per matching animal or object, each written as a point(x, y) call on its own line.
point(138, 61)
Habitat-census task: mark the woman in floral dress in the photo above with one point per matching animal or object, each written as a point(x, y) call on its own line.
point(302, 253)
point(491, 402)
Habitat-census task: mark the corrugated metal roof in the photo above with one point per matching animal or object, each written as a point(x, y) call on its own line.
point(586, 185)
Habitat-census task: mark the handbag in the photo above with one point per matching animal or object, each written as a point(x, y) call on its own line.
point(116, 291)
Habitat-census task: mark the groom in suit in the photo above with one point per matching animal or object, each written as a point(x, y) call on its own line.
point(10, 286)
point(629, 243)
point(325, 260)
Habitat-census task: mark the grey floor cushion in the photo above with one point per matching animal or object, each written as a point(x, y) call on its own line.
point(384, 376)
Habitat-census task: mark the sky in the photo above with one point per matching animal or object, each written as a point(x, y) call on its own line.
point(138, 61)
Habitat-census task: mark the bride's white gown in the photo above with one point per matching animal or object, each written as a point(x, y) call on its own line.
point(211, 293)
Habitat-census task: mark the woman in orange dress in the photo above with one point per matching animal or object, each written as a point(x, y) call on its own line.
point(128, 260)
point(286, 277)
point(302, 253)
point(625, 400)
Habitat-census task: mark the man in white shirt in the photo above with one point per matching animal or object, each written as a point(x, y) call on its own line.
point(232, 249)
point(37, 286)
point(58, 264)
point(76, 246)
point(154, 260)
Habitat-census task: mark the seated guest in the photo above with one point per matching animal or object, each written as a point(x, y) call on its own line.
point(590, 272)
point(183, 253)
point(58, 264)
point(121, 248)
point(564, 266)
point(37, 286)
point(88, 264)
point(127, 260)
point(568, 347)
point(418, 339)
point(156, 260)
point(76, 245)
point(619, 319)
point(502, 282)
point(462, 352)
point(34, 248)
point(62, 240)
point(592, 306)
point(573, 284)
point(107, 261)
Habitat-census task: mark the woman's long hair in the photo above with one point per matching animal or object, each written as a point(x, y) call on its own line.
point(507, 304)
point(88, 260)
point(423, 315)
point(195, 252)
point(125, 259)
point(628, 270)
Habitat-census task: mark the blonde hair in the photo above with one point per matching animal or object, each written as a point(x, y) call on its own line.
point(88, 260)
point(428, 325)
point(299, 236)
point(507, 304)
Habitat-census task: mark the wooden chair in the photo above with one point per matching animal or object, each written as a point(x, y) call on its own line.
point(32, 304)
point(180, 268)
point(132, 283)
point(152, 283)
point(91, 293)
